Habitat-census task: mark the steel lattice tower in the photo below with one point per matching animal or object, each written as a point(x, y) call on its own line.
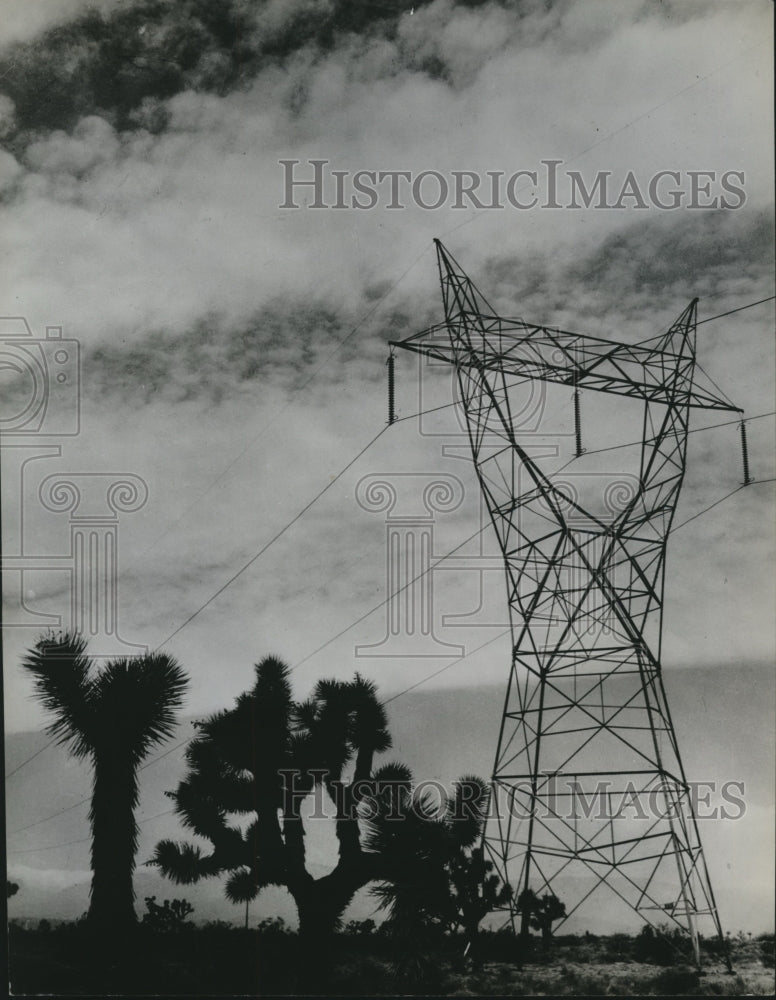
point(588, 780)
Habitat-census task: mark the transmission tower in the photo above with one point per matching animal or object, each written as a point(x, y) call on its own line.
point(588, 783)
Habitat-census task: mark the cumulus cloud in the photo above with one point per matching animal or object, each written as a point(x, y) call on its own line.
point(176, 197)
point(141, 213)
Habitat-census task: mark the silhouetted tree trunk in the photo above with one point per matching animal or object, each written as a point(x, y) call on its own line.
point(114, 843)
point(318, 914)
point(472, 931)
point(320, 904)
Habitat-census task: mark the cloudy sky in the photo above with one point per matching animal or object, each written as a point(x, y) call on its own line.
point(233, 351)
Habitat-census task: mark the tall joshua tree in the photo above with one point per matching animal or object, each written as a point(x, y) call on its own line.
point(260, 760)
point(113, 717)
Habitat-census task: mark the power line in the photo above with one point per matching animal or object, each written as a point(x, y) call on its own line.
point(434, 409)
point(422, 572)
point(32, 757)
point(626, 126)
point(340, 344)
point(754, 482)
point(423, 413)
point(441, 670)
point(234, 577)
point(272, 541)
point(721, 391)
point(45, 819)
point(166, 753)
point(83, 801)
point(693, 430)
point(52, 847)
point(730, 312)
point(479, 531)
point(389, 597)
point(706, 509)
point(85, 840)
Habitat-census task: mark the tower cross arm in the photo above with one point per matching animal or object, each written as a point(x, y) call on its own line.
point(512, 347)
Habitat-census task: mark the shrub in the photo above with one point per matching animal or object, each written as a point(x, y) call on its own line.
point(618, 947)
point(419, 969)
point(715, 948)
point(587, 984)
point(273, 927)
point(504, 945)
point(674, 982)
point(170, 916)
point(767, 950)
point(662, 946)
point(359, 928)
point(361, 975)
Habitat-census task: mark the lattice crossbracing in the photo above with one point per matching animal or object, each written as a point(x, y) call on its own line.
point(589, 788)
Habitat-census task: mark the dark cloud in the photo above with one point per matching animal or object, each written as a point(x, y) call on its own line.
point(278, 346)
point(659, 260)
point(647, 264)
point(692, 255)
point(123, 63)
point(119, 64)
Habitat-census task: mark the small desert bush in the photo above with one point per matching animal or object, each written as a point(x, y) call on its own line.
point(617, 948)
point(664, 946)
point(767, 947)
point(359, 928)
point(676, 982)
point(167, 917)
point(589, 984)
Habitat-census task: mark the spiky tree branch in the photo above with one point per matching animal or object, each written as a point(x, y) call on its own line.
point(263, 758)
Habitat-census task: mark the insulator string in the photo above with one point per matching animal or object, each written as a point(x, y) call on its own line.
point(578, 422)
point(391, 387)
point(745, 454)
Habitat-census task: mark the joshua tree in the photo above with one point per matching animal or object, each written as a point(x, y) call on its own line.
point(170, 916)
point(437, 872)
point(262, 759)
point(540, 912)
point(113, 717)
